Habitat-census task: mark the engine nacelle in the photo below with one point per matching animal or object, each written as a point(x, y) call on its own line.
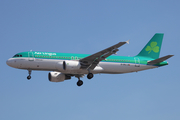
point(57, 77)
point(68, 65)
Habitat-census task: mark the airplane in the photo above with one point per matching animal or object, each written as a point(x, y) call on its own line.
point(66, 65)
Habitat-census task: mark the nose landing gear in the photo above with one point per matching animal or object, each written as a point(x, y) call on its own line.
point(29, 76)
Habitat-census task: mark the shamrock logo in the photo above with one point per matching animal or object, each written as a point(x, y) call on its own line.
point(153, 47)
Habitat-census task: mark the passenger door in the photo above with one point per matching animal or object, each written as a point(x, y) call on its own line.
point(30, 56)
point(137, 62)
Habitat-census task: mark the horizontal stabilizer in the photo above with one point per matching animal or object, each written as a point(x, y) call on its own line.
point(153, 62)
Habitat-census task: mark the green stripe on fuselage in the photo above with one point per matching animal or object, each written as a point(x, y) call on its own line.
point(72, 56)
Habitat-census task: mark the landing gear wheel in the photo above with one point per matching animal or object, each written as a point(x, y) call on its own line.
point(79, 83)
point(90, 75)
point(29, 77)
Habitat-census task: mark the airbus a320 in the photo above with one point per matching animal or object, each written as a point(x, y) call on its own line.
point(66, 65)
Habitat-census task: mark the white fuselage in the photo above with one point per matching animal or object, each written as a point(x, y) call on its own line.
point(52, 65)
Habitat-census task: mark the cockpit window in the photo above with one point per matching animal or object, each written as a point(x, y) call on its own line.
point(17, 56)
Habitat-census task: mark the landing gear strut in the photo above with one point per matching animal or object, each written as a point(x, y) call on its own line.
point(90, 76)
point(80, 82)
point(29, 76)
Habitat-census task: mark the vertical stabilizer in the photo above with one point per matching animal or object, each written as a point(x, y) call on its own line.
point(153, 47)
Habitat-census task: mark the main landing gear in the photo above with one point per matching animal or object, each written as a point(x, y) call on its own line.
point(80, 82)
point(90, 76)
point(29, 76)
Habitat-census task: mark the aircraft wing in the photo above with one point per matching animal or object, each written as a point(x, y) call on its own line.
point(90, 62)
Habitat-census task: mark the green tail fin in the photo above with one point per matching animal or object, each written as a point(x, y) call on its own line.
point(153, 47)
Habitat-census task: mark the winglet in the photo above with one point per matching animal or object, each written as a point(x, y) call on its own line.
point(127, 41)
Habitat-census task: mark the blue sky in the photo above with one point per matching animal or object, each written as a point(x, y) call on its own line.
point(88, 27)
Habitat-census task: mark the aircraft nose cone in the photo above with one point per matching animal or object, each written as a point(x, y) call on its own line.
point(9, 62)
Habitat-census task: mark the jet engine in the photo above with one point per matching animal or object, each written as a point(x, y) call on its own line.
point(57, 77)
point(68, 65)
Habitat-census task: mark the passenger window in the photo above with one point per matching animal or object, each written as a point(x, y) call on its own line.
point(17, 55)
